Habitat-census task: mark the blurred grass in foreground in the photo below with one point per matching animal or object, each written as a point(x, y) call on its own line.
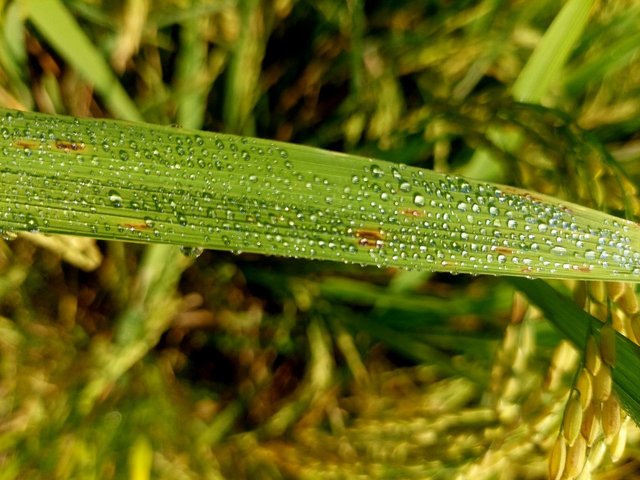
point(155, 365)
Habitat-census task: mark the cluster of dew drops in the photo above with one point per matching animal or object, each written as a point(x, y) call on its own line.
point(203, 190)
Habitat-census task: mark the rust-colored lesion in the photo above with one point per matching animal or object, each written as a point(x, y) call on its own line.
point(583, 268)
point(503, 250)
point(26, 144)
point(370, 238)
point(135, 226)
point(69, 146)
point(411, 212)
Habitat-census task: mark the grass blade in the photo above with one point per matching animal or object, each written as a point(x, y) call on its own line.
point(117, 180)
point(57, 25)
point(551, 53)
point(575, 324)
point(545, 64)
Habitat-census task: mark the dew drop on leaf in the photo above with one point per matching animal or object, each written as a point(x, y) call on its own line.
point(376, 171)
point(115, 198)
point(32, 224)
point(191, 252)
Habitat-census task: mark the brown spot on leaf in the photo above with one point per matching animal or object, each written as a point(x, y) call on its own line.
point(26, 144)
point(370, 238)
point(135, 226)
point(410, 212)
point(503, 250)
point(69, 146)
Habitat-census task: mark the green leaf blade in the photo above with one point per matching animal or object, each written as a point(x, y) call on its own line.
point(143, 183)
point(552, 52)
point(576, 325)
point(55, 23)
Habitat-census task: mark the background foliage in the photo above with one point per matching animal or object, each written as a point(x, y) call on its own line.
point(118, 361)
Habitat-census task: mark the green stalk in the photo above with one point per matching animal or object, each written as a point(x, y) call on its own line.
point(118, 180)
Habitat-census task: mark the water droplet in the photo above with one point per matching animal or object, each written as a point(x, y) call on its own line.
point(376, 171)
point(419, 200)
point(115, 198)
point(191, 252)
point(32, 224)
point(559, 250)
point(462, 206)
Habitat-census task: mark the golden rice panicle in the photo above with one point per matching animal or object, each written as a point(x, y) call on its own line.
point(558, 458)
point(602, 383)
point(618, 443)
point(598, 292)
point(590, 428)
point(592, 358)
point(584, 385)
point(615, 290)
point(563, 360)
point(586, 471)
point(635, 327)
point(599, 310)
point(572, 419)
point(631, 328)
point(619, 320)
point(611, 418)
point(576, 458)
point(628, 302)
point(596, 453)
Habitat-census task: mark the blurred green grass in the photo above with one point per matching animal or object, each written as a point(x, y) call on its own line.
point(154, 365)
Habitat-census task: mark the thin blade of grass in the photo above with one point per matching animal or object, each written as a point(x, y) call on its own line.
point(618, 55)
point(534, 80)
point(576, 324)
point(60, 29)
point(118, 180)
point(552, 52)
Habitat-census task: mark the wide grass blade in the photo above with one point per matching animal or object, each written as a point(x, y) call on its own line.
point(135, 182)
